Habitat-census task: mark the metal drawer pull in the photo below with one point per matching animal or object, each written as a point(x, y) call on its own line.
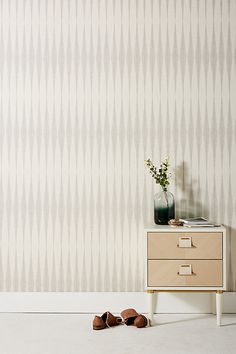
point(185, 269)
point(186, 275)
point(185, 242)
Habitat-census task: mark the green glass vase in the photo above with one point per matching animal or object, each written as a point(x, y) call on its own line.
point(164, 207)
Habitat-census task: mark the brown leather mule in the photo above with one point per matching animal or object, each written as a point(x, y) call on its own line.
point(106, 320)
point(132, 318)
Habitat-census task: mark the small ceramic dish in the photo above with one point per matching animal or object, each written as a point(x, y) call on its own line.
point(175, 222)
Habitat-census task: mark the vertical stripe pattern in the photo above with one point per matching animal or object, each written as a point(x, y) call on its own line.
point(88, 90)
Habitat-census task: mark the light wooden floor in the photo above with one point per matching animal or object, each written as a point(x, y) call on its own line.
point(73, 334)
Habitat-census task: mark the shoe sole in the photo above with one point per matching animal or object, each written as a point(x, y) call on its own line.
point(98, 328)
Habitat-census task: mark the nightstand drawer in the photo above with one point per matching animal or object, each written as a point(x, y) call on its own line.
point(184, 245)
point(170, 273)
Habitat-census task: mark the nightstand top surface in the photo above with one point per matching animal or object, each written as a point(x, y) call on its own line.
point(168, 228)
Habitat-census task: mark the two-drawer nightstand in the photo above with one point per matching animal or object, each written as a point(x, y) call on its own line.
point(186, 259)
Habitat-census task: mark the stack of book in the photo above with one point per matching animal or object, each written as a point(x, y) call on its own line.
point(197, 222)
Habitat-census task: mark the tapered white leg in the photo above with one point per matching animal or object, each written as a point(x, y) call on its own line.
point(150, 294)
point(218, 306)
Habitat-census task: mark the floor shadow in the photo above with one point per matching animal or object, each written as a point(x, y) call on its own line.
point(228, 325)
point(182, 320)
point(228, 319)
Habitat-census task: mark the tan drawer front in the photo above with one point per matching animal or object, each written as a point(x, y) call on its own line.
point(165, 273)
point(204, 245)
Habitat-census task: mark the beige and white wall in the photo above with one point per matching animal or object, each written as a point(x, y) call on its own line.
point(89, 89)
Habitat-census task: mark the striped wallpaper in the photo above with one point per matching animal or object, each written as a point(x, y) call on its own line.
point(88, 90)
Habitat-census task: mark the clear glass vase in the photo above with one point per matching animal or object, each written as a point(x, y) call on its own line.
point(164, 207)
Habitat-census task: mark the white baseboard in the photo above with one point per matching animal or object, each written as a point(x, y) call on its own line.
point(114, 302)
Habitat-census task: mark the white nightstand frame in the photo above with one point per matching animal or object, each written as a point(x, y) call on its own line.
point(214, 289)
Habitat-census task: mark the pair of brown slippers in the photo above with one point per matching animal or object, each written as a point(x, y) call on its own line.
point(130, 317)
